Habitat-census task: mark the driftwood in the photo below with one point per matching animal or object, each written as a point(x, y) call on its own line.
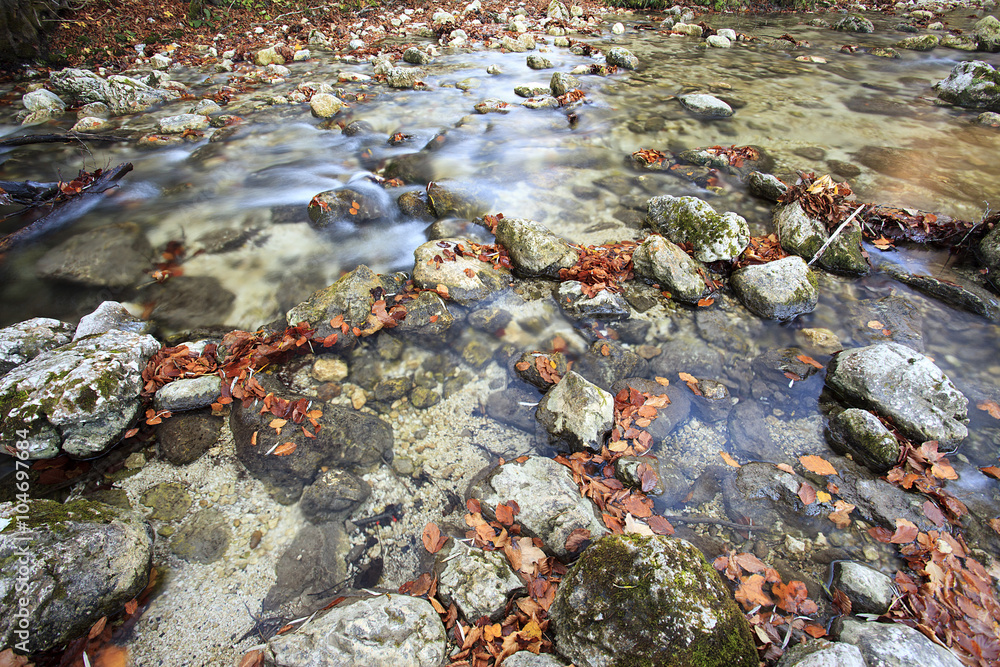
point(65, 210)
point(27, 192)
point(72, 137)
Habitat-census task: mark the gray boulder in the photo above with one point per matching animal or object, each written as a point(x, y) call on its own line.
point(126, 95)
point(605, 305)
point(561, 83)
point(765, 186)
point(550, 501)
point(110, 256)
point(653, 599)
point(904, 386)
point(26, 340)
point(706, 106)
point(821, 653)
point(333, 496)
point(621, 58)
point(532, 90)
point(973, 84)
point(79, 85)
point(188, 393)
point(415, 56)
point(460, 199)
point(660, 260)
point(779, 290)
point(109, 315)
point(854, 23)
point(43, 100)
point(538, 62)
point(429, 273)
point(80, 561)
point(692, 220)
point(866, 438)
point(268, 56)
point(478, 582)
point(325, 105)
point(384, 630)
point(576, 412)
point(182, 122)
point(987, 34)
point(892, 644)
point(403, 77)
point(804, 236)
point(869, 591)
point(557, 11)
point(534, 250)
point(79, 398)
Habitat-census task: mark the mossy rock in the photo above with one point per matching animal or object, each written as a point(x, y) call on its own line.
point(637, 600)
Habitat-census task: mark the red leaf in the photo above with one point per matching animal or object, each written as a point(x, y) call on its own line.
point(905, 533)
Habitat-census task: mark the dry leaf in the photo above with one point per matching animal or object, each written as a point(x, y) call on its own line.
point(787, 468)
point(818, 465)
point(577, 539)
point(823, 496)
point(662, 380)
point(432, 538)
point(991, 407)
point(285, 448)
point(730, 461)
point(98, 627)
point(991, 471)
point(687, 377)
point(750, 592)
point(875, 324)
point(253, 658)
point(807, 494)
point(660, 525)
point(905, 533)
point(809, 360)
point(637, 527)
point(530, 554)
point(749, 562)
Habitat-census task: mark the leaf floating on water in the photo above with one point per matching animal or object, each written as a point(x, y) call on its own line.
point(992, 407)
point(991, 471)
point(809, 360)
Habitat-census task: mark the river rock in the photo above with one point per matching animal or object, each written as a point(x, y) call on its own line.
point(538, 62)
point(550, 501)
point(871, 318)
point(866, 438)
point(561, 83)
point(491, 105)
point(804, 236)
point(779, 290)
point(534, 250)
point(333, 496)
point(183, 438)
point(346, 439)
point(109, 315)
point(111, 256)
point(904, 386)
point(692, 220)
point(749, 434)
point(973, 84)
point(821, 653)
point(43, 100)
point(168, 501)
point(415, 56)
point(576, 413)
point(325, 105)
point(310, 565)
point(384, 630)
point(892, 644)
point(351, 297)
point(426, 316)
point(620, 57)
point(451, 274)
point(653, 599)
point(689, 29)
point(989, 252)
point(987, 34)
point(478, 582)
point(460, 199)
point(403, 77)
point(532, 90)
point(26, 340)
point(348, 203)
point(181, 123)
point(514, 407)
point(706, 106)
point(605, 305)
point(557, 11)
point(918, 42)
point(188, 393)
point(869, 591)
point(268, 56)
point(79, 85)
point(79, 398)
point(664, 262)
point(854, 23)
point(957, 292)
point(765, 186)
point(81, 561)
point(126, 95)
point(718, 42)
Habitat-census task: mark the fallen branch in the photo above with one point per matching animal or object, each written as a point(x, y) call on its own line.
point(67, 209)
point(834, 235)
point(56, 139)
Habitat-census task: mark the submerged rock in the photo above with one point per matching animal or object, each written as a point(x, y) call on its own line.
point(79, 398)
point(854, 23)
point(460, 199)
point(779, 290)
point(973, 84)
point(80, 560)
point(384, 630)
point(550, 501)
point(111, 256)
point(314, 560)
point(706, 106)
point(653, 599)
point(692, 220)
point(605, 305)
point(25, 340)
point(904, 386)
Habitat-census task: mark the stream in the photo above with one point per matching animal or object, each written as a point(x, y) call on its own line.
point(239, 206)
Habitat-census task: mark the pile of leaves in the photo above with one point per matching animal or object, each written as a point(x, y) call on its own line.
point(736, 155)
point(647, 158)
point(602, 267)
point(760, 250)
point(892, 224)
point(821, 198)
point(762, 594)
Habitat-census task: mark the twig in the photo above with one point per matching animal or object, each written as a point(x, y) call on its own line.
point(29, 139)
point(719, 522)
point(834, 235)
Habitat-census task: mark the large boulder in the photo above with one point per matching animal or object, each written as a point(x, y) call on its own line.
point(664, 262)
point(779, 290)
point(534, 250)
point(973, 84)
point(26, 340)
point(550, 501)
point(80, 561)
point(803, 235)
point(987, 34)
point(466, 278)
point(905, 387)
point(384, 630)
point(860, 433)
point(632, 599)
point(577, 413)
point(111, 256)
point(478, 582)
point(892, 644)
point(692, 220)
point(78, 399)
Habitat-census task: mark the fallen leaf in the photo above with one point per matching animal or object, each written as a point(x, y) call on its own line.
point(807, 494)
point(98, 627)
point(991, 471)
point(704, 303)
point(818, 465)
point(749, 562)
point(905, 533)
point(823, 496)
point(875, 324)
point(991, 407)
point(530, 554)
point(751, 594)
point(637, 527)
point(432, 538)
point(934, 513)
point(730, 461)
point(785, 467)
point(504, 514)
point(285, 448)
point(660, 525)
point(577, 539)
point(662, 380)
point(809, 360)
point(253, 658)
point(111, 656)
point(687, 377)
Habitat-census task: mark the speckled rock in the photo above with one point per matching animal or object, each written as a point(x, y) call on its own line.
point(854, 23)
point(664, 262)
point(79, 398)
point(653, 599)
point(605, 305)
point(415, 56)
point(325, 105)
point(111, 256)
point(986, 32)
point(384, 630)
point(550, 501)
point(692, 220)
point(268, 56)
point(183, 122)
point(203, 538)
point(778, 290)
point(167, 501)
point(973, 84)
point(918, 42)
point(621, 57)
point(869, 591)
point(81, 561)
point(188, 393)
point(706, 106)
point(576, 413)
point(109, 315)
point(486, 279)
point(534, 250)
point(478, 582)
point(804, 236)
point(333, 496)
point(904, 386)
point(561, 83)
point(892, 644)
point(821, 653)
point(25, 340)
point(866, 438)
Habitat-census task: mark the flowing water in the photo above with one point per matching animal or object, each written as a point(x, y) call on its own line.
point(872, 121)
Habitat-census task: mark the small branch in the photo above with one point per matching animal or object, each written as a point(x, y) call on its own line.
point(55, 139)
point(834, 235)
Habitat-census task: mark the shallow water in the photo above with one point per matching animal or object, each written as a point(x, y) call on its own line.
point(573, 178)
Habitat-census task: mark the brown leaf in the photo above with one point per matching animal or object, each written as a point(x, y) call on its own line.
point(660, 525)
point(253, 658)
point(991, 471)
point(750, 592)
point(809, 360)
point(934, 513)
point(730, 461)
point(98, 627)
point(749, 562)
point(432, 538)
point(504, 514)
point(577, 539)
point(992, 407)
point(905, 533)
point(841, 602)
point(807, 494)
point(131, 606)
point(818, 465)
point(285, 448)
point(472, 504)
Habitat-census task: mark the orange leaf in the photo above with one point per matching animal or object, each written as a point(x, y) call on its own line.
point(504, 514)
point(131, 606)
point(704, 303)
point(577, 539)
point(991, 471)
point(432, 538)
point(132, 431)
point(818, 465)
point(663, 381)
point(111, 656)
point(687, 377)
point(98, 627)
point(905, 533)
point(660, 525)
point(730, 460)
point(285, 448)
point(604, 350)
point(253, 439)
point(750, 592)
point(787, 468)
point(875, 324)
point(809, 360)
point(991, 407)
point(807, 494)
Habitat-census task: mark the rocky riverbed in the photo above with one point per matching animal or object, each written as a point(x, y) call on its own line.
point(556, 307)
